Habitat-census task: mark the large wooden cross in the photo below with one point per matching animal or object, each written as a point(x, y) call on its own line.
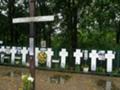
point(31, 20)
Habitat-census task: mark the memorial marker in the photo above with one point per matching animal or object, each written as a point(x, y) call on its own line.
point(49, 53)
point(13, 52)
point(93, 55)
point(78, 54)
point(63, 53)
point(24, 52)
point(109, 56)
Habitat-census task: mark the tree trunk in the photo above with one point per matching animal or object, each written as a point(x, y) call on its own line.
point(71, 18)
point(118, 33)
point(10, 17)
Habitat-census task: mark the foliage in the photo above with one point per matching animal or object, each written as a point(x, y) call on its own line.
point(100, 70)
point(77, 68)
point(27, 81)
point(78, 23)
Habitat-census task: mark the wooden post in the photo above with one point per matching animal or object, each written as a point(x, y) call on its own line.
point(31, 20)
point(31, 42)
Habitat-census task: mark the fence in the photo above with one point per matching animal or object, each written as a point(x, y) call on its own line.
point(103, 61)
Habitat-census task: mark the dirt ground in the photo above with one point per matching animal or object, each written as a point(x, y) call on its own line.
point(10, 79)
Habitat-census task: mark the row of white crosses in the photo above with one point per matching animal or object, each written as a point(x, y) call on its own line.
point(94, 57)
point(109, 57)
point(12, 52)
point(63, 54)
point(78, 54)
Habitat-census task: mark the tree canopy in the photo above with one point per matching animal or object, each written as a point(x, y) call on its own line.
point(78, 23)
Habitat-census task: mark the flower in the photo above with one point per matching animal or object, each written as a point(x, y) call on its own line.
point(27, 81)
point(31, 79)
point(42, 57)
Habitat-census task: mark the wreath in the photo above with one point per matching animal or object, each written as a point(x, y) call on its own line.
point(42, 56)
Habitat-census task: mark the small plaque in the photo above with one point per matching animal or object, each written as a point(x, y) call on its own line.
point(43, 43)
point(101, 55)
point(18, 50)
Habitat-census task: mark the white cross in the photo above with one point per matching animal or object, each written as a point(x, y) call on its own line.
point(2, 54)
point(7, 50)
point(49, 53)
point(78, 54)
point(13, 52)
point(24, 52)
point(63, 53)
point(109, 56)
point(93, 55)
point(34, 19)
point(2, 49)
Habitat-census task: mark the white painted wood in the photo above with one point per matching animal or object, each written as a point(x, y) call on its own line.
point(78, 55)
point(13, 52)
point(93, 55)
point(7, 50)
point(36, 55)
point(63, 54)
point(109, 56)
point(24, 52)
point(2, 58)
point(86, 55)
point(55, 61)
point(49, 53)
point(2, 50)
point(34, 19)
point(18, 57)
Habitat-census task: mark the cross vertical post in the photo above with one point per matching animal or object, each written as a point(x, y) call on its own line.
point(31, 42)
point(31, 21)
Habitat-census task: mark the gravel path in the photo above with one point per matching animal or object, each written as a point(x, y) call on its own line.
point(10, 79)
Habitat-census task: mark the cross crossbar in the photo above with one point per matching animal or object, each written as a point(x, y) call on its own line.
point(33, 19)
